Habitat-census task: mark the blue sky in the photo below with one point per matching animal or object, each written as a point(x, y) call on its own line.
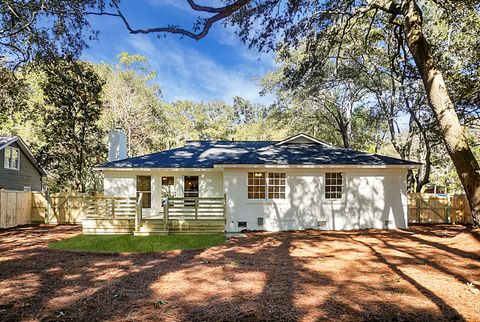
point(217, 67)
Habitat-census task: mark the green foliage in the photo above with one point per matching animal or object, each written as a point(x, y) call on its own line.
point(72, 144)
point(133, 244)
point(32, 29)
point(133, 104)
point(13, 99)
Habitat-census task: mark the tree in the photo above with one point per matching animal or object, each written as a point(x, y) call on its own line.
point(199, 121)
point(131, 103)
point(324, 107)
point(267, 25)
point(13, 97)
point(73, 141)
point(32, 29)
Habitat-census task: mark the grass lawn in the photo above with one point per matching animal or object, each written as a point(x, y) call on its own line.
point(132, 244)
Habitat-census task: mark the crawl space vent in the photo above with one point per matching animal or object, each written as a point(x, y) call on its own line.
point(260, 221)
point(242, 224)
point(322, 224)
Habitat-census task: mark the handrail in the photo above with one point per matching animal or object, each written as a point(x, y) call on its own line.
point(138, 212)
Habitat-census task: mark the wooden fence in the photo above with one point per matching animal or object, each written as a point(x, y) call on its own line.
point(20, 208)
point(433, 208)
point(15, 208)
point(58, 208)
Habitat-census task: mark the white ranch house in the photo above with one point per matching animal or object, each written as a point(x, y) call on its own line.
point(294, 184)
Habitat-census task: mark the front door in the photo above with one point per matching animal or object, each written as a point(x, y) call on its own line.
point(190, 186)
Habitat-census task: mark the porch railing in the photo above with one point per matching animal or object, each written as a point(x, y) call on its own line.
point(194, 208)
point(175, 208)
point(102, 207)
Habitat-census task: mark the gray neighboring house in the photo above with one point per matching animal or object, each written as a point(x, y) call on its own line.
point(18, 168)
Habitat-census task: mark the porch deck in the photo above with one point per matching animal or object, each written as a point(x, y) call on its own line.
point(185, 215)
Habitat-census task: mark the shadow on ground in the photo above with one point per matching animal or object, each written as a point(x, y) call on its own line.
point(424, 273)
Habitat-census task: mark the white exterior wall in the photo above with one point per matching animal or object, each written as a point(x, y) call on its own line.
point(370, 197)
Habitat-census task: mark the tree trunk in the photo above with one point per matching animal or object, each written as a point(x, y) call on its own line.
point(442, 106)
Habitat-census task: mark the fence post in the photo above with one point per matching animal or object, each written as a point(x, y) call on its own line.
point(417, 208)
point(447, 217)
point(113, 208)
point(69, 210)
point(47, 212)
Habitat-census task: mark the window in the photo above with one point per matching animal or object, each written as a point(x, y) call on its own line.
point(144, 186)
point(168, 186)
point(276, 186)
point(333, 185)
point(12, 158)
point(256, 185)
point(262, 185)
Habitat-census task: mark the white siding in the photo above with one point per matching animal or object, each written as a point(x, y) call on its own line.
point(119, 183)
point(370, 197)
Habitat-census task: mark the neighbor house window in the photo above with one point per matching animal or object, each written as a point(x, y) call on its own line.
point(12, 158)
point(262, 185)
point(333, 185)
point(144, 186)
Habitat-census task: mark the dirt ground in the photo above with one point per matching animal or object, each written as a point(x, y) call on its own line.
point(424, 273)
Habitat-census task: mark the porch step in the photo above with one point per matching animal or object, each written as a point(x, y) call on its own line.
point(150, 232)
point(151, 227)
point(196, 227)
point(195, 232)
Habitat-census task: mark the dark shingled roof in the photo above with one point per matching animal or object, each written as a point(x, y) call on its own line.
point(206, 154)
point(313, 154)
point(195, 154)
point(6, 140)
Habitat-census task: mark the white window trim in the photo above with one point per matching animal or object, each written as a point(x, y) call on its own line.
point(11, 149)
point(325, 184)
point(144, 191)
point(266, 199)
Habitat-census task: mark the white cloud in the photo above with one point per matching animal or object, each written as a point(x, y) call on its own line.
point(185, 73)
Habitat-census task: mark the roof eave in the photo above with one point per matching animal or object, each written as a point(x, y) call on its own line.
point(321, 166)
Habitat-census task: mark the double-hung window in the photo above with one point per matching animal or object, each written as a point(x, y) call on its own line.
point(144, 186)
point(333, 185)
point(263, 185)
point(12, 158)
point(276, 185)
point(257, 185)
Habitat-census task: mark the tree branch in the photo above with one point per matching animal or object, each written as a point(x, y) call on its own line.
point(220, 13)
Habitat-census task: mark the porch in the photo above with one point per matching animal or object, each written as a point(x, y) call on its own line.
point(180, 215)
